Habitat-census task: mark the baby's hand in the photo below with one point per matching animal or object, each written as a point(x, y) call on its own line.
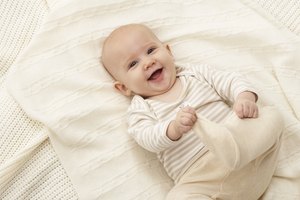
point(245, 108)
point(185, 119)
point(183, 123)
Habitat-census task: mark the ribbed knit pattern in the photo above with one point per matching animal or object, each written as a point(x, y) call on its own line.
point(19, 21)
point(40, 175)
point(286, 13)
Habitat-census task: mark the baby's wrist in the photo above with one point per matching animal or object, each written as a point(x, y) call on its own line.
point(173, 132)
point(247, 95)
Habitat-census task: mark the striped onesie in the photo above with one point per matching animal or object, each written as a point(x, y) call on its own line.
point(209, 91)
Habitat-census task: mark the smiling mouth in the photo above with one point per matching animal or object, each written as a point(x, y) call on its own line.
point(155, 75)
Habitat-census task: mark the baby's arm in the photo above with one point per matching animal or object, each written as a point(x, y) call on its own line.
point(245, 105)
point(183, 123)
point(144, 126)
point(233, 88)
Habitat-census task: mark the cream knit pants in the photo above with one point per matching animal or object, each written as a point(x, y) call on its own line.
point(240, 162)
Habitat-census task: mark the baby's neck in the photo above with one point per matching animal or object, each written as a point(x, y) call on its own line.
point(171, 95)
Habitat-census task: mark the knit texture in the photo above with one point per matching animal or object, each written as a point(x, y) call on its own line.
point(40, 175)
point(287, 13)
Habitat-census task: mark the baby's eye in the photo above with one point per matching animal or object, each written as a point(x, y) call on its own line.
point(150, 50)
point(132, 64)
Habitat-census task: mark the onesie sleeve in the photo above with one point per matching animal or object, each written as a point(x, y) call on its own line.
point(145, 128)
point(227, 84)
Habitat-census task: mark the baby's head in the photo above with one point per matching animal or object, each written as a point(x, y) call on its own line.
point(139, 62)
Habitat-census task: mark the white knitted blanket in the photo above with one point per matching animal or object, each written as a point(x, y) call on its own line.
point(58, 81)
point(34, 169)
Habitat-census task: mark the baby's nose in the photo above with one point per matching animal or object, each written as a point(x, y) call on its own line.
point(149, 62)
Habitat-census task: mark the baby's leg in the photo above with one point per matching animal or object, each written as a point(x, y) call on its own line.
point(251, 181)
point(208, 178)
point(201, 181)
point(239, 141)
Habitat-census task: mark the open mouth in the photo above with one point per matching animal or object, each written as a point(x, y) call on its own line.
point(155, 75)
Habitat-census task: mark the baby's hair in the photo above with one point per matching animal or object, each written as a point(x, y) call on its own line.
point(117, 31)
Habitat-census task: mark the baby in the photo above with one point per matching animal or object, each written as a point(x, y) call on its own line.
point(184, 115)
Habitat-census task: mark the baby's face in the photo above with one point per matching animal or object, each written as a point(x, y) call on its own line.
point(139, 62)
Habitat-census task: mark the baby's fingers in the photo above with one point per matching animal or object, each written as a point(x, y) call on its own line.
point(188, 119)
point(188, 109)
point(247, 110)
point(255, 114)
point(253, 111)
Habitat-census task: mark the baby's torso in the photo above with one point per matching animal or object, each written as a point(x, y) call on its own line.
point(200, 95)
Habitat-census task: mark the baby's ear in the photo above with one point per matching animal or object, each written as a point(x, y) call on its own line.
point(123, 89)
point(168, 48)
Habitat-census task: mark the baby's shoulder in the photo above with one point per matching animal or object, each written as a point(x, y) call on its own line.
point(138, 103)
point(192, 68)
